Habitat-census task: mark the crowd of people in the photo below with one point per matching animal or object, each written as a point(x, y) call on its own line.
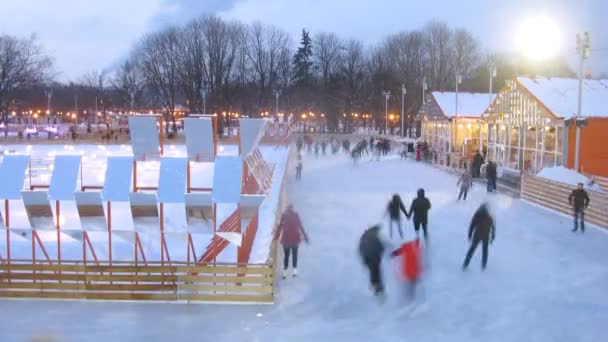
point(372, 247)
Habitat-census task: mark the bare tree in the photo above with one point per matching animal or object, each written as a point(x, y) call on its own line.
point(22, 63)
point(160, 67)
point(266, 47)
point(96, 79)
point(129, 81)
point(439, 51)
point(351, 66)
point(326, 50)
point(466, 52)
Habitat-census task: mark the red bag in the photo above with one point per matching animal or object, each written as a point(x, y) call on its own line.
point(411, 260)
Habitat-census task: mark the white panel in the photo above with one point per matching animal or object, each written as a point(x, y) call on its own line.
point(251, 132)
point(38, 210)
point(144, 137)
point(13, 167)
point(199, 139)
point(90, 211)
point(227, 180)
point(65, 177)
point(172, 180)
point(119, 174)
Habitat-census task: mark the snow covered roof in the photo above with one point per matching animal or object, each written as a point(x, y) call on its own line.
point(560, 95)
point(469, 104)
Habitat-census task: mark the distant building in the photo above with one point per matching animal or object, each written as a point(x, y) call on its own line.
point(451, 131)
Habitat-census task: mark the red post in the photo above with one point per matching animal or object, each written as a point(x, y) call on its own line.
point(188, 177)
point(134, 175)
point(58, 232)
point(8, 235)
point(110, 232)
point(84, 248)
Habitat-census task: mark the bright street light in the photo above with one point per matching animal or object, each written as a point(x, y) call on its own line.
point(538, 37)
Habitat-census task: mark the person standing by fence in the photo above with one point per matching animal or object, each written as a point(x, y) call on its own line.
point(579, 200)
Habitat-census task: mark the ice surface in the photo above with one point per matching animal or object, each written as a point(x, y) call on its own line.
point(543, 283)
point(567, 176)
point(560, 95)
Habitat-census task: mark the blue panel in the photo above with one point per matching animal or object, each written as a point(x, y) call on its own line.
point(119, 173)
point(144, 137)
point(251, 132)
point(64, 178)
point(13, 168)
point(227, 180)
point(172, 180)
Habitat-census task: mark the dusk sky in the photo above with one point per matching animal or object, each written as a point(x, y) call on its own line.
point(96, 34)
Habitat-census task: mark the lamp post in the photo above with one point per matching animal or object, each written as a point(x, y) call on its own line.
point(492, 76)
point(458, 81)
point(387, 95)
point(204, 89)
point(277, 93)
point(583, 47)
point(403, 92)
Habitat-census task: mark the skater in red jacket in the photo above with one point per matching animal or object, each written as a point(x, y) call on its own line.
point(411, 267)
point(291, 231)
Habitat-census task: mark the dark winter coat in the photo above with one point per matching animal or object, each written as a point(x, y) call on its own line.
point(420, 207)
point(290, 229)
point(477, 159)
point(394, 206)
point(370, 246)
point(579, 199)
point(482, 225)
point(491, 171)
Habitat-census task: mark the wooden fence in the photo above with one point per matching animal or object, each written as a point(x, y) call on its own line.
point(554, 195)
point(72, 280)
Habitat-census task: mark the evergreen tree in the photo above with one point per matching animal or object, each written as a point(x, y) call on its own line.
point(302, 60)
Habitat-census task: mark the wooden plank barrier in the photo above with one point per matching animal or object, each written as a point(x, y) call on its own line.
point(178, 282)
point(554, 195)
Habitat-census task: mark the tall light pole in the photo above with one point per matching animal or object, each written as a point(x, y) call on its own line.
point(492, 76)
point(387, 95)
point(458, 81)
point(49, 94)
point(583, 47)
point(277, 93)
point(204, 89)
point(424, 87)
point(132, 94)
point(403, 92)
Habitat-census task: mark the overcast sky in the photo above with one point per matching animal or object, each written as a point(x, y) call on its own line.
point(83, 35)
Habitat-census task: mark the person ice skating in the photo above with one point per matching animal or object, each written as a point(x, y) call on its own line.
point(420, 208)
point(491, 173)
point(411, 266)
point(317, 150)
point(291, 231)
point(465, 182)
point(299, 171)
point(371, 249)
point(323, 147)
point(394, 209)
point(579, 200)
point(482, 229)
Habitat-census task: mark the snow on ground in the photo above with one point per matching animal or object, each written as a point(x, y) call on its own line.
point(567, 176)
point(543, 283)
point(94, 165)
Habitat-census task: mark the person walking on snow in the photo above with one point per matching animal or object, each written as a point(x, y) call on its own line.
point(579, 200)
point(395, 205)
point(291, 231)
point(411, 265)
point(476, 165)
point(420, 208)
point(465, 182)
point(371, 250)
point(482, 229)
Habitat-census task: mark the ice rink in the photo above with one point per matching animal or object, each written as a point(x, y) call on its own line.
point(543, 282)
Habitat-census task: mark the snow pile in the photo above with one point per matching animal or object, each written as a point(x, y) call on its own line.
point(567, 176)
